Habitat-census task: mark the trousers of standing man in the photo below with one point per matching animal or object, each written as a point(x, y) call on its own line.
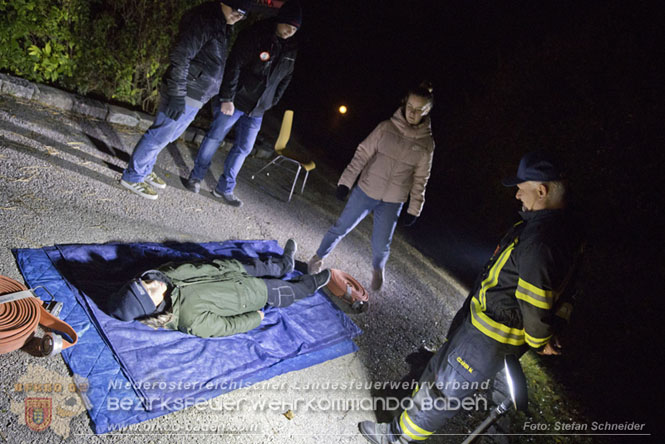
point(453, 374)
point(246, 130)
point(163, 131)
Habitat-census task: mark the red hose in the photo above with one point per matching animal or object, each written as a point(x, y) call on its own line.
point(19, 319)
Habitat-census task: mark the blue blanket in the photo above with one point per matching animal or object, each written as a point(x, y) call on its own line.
point(130, 373)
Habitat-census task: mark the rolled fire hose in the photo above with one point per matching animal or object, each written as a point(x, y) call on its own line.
point(346, 287)
point(19, 319)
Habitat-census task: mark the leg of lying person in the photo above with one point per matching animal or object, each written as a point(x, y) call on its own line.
point(284, 293)
point(273, 266)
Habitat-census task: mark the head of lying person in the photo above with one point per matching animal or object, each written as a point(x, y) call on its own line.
point(142, 296)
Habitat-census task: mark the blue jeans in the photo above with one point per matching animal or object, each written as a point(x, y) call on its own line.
point(358, 206)
point(246, 132)
point(162, 132)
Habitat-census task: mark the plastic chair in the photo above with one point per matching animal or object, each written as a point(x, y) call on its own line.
point(280, 148)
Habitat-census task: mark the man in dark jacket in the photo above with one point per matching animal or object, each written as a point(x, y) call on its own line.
point(259, 70)
point(518, 303)
point(194, 75)
point(214, 298)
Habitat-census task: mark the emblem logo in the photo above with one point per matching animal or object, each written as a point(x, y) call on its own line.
point(38, 413)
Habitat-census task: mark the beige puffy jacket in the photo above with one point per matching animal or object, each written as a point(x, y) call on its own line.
point(393, 162)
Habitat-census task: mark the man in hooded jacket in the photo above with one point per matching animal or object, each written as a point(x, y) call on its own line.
point(194, 75)
point(260, 68)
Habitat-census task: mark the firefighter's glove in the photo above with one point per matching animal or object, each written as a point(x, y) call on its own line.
point(175, 108)
point(409, 220)
point(342, 192)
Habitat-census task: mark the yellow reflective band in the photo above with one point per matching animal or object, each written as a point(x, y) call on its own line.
point(536, 342)
point(493, 277)
point(418, 434)
point(534, 295)
point(495, 330)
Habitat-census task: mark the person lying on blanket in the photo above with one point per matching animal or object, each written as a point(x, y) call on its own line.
point(221, 297)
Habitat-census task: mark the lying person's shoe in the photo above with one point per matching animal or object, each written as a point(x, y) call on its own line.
point(314, 265)
point(228, 198)
point(140, 188)
point(377, 279)
point(322, 278)
point(193, 185)
point(154, 180)
point(376, 433)
point(289, 255)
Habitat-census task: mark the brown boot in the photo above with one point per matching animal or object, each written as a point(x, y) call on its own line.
point(377, 279)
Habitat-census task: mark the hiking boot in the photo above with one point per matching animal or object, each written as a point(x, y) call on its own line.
point(193, 185)
point(289, 256)
point(154, 180)
point(377, 279)
point(376, 433)
point(321, 278)
point(228, 198)
point(140, 188)
point(314, 265)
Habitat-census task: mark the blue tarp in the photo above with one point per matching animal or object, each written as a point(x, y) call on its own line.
point(134, 373)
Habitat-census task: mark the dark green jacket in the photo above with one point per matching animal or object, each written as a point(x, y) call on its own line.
point(215, 298)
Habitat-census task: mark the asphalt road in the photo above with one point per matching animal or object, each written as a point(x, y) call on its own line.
point(59, 177)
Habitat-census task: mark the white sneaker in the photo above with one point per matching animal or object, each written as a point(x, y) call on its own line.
point(314, 265)
point(140, 188)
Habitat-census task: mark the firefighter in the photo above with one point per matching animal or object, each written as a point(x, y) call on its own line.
point(518, 303)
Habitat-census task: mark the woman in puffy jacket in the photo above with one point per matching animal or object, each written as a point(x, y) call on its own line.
point(394, 164)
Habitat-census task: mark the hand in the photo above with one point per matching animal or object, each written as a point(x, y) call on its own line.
point(175, 107)
point(342, 192)
point(552, 348)
point(409, 220)
point(227, 108)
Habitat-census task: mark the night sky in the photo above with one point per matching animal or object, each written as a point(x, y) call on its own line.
point(582, 79)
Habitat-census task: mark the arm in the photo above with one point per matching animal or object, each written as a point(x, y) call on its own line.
point(365, 151)
point(209, 324)
point(240, 56)
point(283, 84)
point(540, 277)
point(420, 178)
point(193, 34)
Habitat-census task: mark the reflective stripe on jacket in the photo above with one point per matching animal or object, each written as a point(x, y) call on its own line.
point(516, 298)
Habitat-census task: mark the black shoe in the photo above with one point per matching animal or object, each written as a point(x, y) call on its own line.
point(193, 185)
point(375, 433)
point(289, 256)
point(321, 278)
point(228, 198)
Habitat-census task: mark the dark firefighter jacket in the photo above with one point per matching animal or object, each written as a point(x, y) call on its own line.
point(216, 298)
point(520, 295)
point(198, 57)
point(259, 70)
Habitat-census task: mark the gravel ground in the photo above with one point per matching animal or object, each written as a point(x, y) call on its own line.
point(59, 177)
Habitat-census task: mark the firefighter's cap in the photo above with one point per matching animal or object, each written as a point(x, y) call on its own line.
point(538, 166)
